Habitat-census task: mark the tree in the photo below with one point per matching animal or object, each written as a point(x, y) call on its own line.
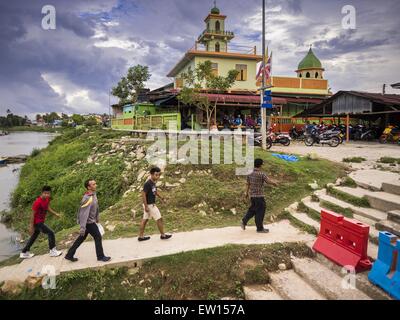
point(78, 119)
point(198, 83)
point(129, 86)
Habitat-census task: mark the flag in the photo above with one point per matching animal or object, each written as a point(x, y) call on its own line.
point(267, 70)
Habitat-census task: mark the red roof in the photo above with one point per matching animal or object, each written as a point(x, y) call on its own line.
point(232, 98)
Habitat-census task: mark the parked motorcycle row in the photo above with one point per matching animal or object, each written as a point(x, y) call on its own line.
point(332, 135)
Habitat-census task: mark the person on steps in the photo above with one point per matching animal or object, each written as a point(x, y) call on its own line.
point(39, 211)
point(88, 218)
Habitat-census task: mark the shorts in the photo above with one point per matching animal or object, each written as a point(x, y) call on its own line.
point(152, 213)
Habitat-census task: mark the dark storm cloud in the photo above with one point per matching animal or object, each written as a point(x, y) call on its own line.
point(96, 41)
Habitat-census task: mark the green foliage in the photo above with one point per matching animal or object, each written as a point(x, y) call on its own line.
point(347, 212)
point(389, 160)
point(129, 87)
point(35, 152)
point(358, 202)
point(12, 120)
point(354, 160)
point(204, 274)
point(349, 182)
point(78, 119)
point(204, 79)
point(57, 166)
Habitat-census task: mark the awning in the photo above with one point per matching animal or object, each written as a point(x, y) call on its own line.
point(232, 98)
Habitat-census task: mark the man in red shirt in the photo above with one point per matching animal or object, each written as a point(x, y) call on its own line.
point(39, 211)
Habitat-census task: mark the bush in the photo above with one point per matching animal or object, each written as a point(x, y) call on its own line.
point(35, 152)
point(354, 159)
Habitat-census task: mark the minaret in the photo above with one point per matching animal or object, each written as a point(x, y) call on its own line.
point(214, 37)
point(310, 67)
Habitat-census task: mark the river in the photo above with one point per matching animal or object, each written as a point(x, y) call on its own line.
point(16, 143)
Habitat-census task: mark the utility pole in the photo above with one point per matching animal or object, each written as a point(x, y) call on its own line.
point(263, 111)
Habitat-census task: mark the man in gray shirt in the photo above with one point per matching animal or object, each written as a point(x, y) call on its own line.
point(88, 217)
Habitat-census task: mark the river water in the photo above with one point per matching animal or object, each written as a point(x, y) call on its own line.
point(16, 143)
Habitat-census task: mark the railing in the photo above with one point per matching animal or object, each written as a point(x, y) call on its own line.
point(219, 32)
point(231, 49)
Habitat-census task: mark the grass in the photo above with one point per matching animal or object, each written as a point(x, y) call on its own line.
point(348, 182)
point(354, 160)
point(299, 224)
point(358, 202)
point(313, 214)
point(205, 274)
point(211, 197)
point(337, 209)
point(389, 160)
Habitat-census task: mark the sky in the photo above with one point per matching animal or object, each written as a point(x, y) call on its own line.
point(72, 69)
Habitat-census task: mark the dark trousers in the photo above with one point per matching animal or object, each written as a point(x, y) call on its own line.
point(93, 230)
point(256, 209)
point(41, 227)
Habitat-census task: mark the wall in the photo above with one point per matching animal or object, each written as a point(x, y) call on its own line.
point(224, 65)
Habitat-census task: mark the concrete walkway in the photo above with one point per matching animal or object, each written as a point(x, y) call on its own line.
point(127, 251)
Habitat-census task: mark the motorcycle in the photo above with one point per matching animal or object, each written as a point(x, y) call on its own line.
point(390, 134)
point(296, 135)
point(328, 137)
point(273, 138)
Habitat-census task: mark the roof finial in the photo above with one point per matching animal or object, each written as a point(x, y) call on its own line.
point(215, 3)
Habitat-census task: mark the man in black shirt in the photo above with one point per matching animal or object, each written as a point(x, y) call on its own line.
point(149, 194)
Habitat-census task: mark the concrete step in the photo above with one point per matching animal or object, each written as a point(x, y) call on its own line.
point(391, 187)
point(378, 200)
point(261, 293)
point(313, 205)
point(291, 286)
point(361, 279)
point(369, 213)
point(394, 216)
point(376, 179)
point(390, 226)
point(326, 281)
point(373, 234)
point(303, 217)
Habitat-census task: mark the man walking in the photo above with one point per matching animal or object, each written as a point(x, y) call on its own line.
point(39, 211)
point(255, 192)
point(88, 217)
point(149, 194)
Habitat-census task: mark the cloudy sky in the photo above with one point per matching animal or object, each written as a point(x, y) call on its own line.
point(71, 69)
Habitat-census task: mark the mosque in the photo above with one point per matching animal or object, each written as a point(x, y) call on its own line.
point(291, 95)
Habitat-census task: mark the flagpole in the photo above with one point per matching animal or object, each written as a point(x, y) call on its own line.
point(262, 91)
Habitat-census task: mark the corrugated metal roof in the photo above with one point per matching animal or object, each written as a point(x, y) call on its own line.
point(379, 98)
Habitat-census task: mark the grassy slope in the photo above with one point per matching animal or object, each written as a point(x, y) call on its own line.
point(191, 275)
point(204, 200)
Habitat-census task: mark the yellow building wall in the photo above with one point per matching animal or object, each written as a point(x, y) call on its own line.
point(226, 64)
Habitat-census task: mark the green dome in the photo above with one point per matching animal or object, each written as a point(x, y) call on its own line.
point(310, 61)
point(215, 10)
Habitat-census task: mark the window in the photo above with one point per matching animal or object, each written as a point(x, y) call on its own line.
point(316, 75)
point(308, 75)
point(214, 67)
point(179, 82)
point(217, 47)
point(242, 68)
point(208, 26)
point(300, 75)
point(217, 26)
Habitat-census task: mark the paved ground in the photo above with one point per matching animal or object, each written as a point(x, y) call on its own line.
point(369, 150)
point(128, 250)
